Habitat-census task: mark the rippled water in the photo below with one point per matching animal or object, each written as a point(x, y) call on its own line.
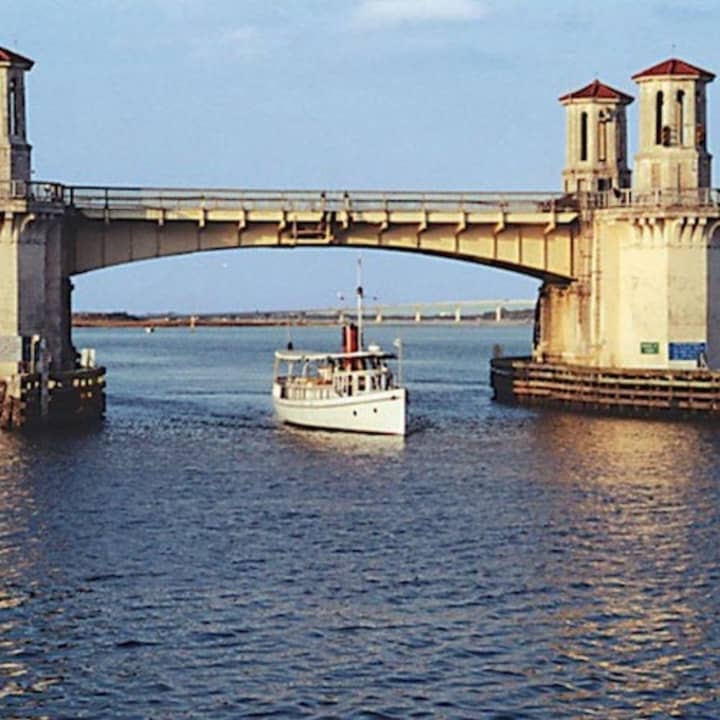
point(193, 559)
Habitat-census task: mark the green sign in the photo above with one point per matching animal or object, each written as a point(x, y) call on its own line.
point(649, 348)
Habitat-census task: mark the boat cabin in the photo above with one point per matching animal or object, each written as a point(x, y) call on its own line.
point(315, 376)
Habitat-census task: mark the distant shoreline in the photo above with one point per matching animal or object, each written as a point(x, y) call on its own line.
point(157, 325)
point(123, 320)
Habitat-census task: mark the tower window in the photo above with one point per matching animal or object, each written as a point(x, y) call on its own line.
point(680, 115)
point(583, 136)
point(658, 118)
point(12, 108)
point(602, 138)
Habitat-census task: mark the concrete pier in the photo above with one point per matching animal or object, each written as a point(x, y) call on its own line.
point(40, 381)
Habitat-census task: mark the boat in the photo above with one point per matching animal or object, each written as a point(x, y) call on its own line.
point(354, 390)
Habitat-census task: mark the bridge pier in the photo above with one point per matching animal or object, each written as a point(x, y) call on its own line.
point(637, 329)
point(39, 378)
point(40, 381)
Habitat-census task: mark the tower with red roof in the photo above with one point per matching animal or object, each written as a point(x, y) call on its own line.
point(14, 147)
point(672, 152)
point(596, 139)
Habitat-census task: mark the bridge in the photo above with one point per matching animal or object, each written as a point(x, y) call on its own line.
point(527, 232)
point(630, 270)
point(455, 310)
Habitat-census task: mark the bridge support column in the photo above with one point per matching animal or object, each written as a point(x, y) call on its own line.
point(34, 293)
point(562, 335)
point(39, 381)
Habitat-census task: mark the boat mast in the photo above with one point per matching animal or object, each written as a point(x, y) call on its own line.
point(359, 294)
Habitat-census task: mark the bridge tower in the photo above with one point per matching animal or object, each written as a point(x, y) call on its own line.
point(14, 147)
point(34, 288)
point(656, 291)
point(596, 139)
point(672, 150)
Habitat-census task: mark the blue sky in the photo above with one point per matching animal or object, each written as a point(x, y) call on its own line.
point(357, 94)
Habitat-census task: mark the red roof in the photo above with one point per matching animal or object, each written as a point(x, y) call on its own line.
point(597, 90)
point(12, 57)
point(673, 66)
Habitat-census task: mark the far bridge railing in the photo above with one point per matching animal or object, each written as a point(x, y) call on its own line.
point(643, 199)
point(93, 197)
point(118, 198)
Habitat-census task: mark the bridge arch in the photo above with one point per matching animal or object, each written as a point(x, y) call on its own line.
point(228, 281)
point(528, 233)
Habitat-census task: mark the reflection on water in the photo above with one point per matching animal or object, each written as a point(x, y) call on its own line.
point(195, 559)
point(634, 620)
point(337, 444)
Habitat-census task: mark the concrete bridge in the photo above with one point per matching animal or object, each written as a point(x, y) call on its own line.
point(526, 232)
point(630, 268)
point(58, 231)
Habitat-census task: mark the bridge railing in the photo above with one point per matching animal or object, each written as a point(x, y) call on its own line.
point(670, 197)
point(50, 192)
point(133, 198)
point(92, 197)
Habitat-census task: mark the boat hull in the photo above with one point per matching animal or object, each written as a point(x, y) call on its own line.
point(381, 413)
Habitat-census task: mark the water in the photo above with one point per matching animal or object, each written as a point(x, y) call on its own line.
point(193, 559)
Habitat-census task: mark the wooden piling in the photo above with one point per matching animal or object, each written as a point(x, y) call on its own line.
point(76, 396)
point(638, 391)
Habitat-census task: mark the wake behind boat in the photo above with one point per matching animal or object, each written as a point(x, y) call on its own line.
point(353, 390)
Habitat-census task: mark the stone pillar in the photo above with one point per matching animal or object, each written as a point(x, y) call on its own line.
point(34, 292)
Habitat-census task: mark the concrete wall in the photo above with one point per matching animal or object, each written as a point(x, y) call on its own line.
point(33, 291)
point(648, 297)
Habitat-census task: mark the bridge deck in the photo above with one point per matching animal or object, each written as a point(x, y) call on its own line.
point(529, 232)
point(532, 233)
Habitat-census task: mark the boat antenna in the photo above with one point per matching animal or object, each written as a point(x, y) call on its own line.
point(289, 336)
point(359, 292)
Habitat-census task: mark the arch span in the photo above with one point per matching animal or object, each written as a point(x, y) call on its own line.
point(533, 234)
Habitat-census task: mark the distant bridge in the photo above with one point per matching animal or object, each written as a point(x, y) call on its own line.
point(452, 310)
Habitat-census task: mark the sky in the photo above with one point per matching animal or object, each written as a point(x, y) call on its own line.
point(324, 94)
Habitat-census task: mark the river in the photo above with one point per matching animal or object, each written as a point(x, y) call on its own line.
point(193, 559)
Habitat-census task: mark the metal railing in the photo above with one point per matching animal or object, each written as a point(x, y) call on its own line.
point(92, 197)
point(119, 198)
point(50, 192)
point(625, 197)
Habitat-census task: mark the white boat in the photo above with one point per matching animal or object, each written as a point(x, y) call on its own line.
point(354, 390)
